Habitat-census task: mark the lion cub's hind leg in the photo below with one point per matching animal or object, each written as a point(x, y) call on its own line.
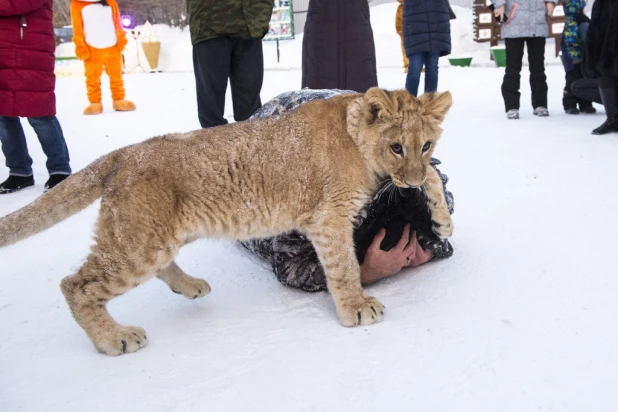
point(135, 240)
point(89, 290)
point(183, 284)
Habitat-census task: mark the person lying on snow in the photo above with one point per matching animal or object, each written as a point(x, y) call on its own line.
point(392, 232)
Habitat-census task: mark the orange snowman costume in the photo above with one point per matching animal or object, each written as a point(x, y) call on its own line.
point(99, 40)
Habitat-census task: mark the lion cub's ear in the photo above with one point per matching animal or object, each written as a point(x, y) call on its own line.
point(434, 106)
point(378, 105)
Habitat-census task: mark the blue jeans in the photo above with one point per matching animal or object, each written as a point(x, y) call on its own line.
point(52, 141)
point(417, 60)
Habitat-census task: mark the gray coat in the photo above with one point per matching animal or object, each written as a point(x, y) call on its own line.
point(527, 18)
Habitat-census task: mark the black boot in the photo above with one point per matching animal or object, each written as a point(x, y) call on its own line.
point(15, 183)
point(54, 180)
point(588, 109)
point(610, 101)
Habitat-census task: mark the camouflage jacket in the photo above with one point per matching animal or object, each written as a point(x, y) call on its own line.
point(571, 35)
point(292, 256)
point(245, 19)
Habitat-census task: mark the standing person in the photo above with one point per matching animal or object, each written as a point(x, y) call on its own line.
point(527, 25)
point(227, 44)
point(601, 59)
point(27, 84)
point(426, 37)
point(573, 36)
point(338, 47)
point(99, 41)
point(399, 29)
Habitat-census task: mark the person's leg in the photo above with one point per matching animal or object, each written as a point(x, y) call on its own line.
point(538, 80)
point(569, 100)
point(54, 146)
point(211, 63)
point(406, 63)
point(414, 72)
point(608, 88)
point(14, 147)
point(510, 84)
point(431, 71)
point(94, 70)
point(113, 68)
point(246, 77)
point(587, 89)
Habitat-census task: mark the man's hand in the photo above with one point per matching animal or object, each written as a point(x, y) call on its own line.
point(550, 8)
point(499, 12)
point(379, 264)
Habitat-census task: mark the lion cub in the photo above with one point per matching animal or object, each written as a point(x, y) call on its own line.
point(310, 170)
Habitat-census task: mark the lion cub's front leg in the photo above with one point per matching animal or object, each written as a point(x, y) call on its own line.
point(334, 244)
point(442, 223)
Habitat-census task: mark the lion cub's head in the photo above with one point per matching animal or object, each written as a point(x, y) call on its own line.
point(398, 132)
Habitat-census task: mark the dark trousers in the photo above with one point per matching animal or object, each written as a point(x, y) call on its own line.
point(587, 89)
point(538, 81)
point(217, 60)
point(569, 98)
point(50, 136)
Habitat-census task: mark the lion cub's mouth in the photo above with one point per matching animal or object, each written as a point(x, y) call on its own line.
point(402, 184)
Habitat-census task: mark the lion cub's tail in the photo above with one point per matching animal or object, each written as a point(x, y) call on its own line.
point(69, 197)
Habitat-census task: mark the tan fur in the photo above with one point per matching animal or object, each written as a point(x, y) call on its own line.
point(310, 170)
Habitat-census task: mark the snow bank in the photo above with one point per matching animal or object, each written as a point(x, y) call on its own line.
point(176, 50)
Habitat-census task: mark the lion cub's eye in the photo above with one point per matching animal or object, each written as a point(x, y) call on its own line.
point(426, 146)
point(397, 149)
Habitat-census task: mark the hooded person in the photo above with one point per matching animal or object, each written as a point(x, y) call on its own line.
point(99, 41)
point(338, 47)
point(601, 59)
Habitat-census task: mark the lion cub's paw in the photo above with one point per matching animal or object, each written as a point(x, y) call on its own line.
point(369, 311)
point(123, 339)
point(190, 287)
point(442, 224)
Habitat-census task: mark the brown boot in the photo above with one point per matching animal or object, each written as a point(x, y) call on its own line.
point(123, 105)
point(93, 108)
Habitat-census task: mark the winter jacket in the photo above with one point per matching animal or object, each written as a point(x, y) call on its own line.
point(338, 48)
point(567, 61)
point(601, 50)
point(572, 37)
point(244, 19)
point(526, 18)
point(27, 59)
point(426, 26)
point(292, 255)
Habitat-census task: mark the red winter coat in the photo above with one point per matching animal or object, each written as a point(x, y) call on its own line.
point(27, 47)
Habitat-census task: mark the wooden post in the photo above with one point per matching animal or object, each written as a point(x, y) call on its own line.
point(556, 25)
point(486, 29)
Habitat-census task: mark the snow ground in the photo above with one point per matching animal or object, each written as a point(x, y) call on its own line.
point(521, 318)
